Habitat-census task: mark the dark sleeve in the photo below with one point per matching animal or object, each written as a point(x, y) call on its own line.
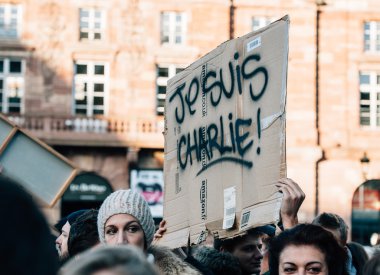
point(198, 265)
point(359, 256)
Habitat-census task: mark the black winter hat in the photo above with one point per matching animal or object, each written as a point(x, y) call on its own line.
point(71, 218)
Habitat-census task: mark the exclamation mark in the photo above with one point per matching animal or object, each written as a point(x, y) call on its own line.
point(258, 130)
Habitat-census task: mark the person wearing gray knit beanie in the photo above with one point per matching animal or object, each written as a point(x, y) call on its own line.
point(125, 218)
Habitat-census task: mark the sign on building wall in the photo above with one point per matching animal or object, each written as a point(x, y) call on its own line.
point(37, 167)
point(225, 138)
point(87, 186)
point(150, 183)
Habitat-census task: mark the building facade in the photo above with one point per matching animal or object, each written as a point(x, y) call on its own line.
point(89, 78)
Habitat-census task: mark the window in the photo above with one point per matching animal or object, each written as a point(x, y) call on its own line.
point(11, 85)
point(92, 24)
point(370, 99)
point(372, 36)
point(259, 22)
point(173, 28)
point(163, 75)
point(10, 20)
point(90, 88)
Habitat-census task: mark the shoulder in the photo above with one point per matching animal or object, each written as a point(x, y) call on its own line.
point(359, 255)
point(357, 250)
point(169, 263)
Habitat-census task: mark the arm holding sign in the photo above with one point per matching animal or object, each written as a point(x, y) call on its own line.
point(291, 202)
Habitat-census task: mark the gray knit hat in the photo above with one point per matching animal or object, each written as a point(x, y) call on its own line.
point(126, 202)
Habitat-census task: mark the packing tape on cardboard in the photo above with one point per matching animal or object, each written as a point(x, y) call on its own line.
point(268, 121)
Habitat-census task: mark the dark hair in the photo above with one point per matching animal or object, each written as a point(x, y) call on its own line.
point(313, 235)
point(230, 244)
point(220, 263)
point(83, 233)
point(123, 259)
point(71, 218)
point(31, 250)
point(372, 267)
point(334, 222)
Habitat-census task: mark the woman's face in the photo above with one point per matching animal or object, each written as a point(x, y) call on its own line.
point(124, 229)
point(302, 260)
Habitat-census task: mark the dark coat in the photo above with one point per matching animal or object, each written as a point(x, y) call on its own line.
point(359, 256)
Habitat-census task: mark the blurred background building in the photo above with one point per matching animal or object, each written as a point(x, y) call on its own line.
point(89, 77)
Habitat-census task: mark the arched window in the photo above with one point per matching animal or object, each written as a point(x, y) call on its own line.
point(366, 213)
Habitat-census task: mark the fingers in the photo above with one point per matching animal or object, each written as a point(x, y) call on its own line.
point(291, 184)
point(157, 236)
point(291, 202)
point(284, 190)
point(162, 223)
point(292, 189)
point(162, 227)
point(160, 231)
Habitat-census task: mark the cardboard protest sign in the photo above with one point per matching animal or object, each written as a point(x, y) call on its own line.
point(225, 138)
point(37, 167)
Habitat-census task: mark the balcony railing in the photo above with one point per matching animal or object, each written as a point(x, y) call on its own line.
point(94, 131)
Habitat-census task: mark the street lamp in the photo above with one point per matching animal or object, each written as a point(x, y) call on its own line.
point(364, 162)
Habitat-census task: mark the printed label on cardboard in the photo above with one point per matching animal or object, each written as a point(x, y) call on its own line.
point(254, 44)
point(229, 207)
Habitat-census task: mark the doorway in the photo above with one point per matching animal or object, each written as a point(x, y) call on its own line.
point(366, 213)
point(87, 191)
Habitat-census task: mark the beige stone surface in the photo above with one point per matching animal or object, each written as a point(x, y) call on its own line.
point(49, 42)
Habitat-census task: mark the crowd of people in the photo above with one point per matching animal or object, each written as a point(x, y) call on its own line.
point(121, 239)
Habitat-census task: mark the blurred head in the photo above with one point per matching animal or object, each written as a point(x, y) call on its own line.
point(109, 260)
point(372, 267)
point(125, 218)
point(335, 224)
point(306, 248)
point(64, 226)
point(26, 245)
point(220, 263)
point(83, 233)
point(246, 248)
